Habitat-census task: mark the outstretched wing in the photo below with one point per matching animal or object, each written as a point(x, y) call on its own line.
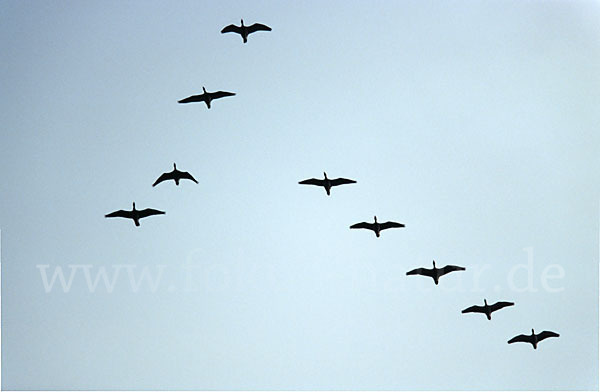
point(163, 177)
point(520, 338)
point(500, 305)
point(193, 98)
point(149, 212)
point(119, 214)
point(547, 334)
point(312, 181)
point(450, 268)
point(231, 29)
point(221, 94)
point(188, 176)
point(421, 271)
point(342, 181)
point(389, 225)
point(362, 225)
point(474, 309)
point(257, 27)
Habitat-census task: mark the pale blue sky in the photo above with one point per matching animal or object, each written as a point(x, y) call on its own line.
point(475, 123)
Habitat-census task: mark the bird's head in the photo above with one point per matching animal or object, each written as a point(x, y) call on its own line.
point(325, 174)
point(375, 218)
point(433, 263)
point(485, 302)
point(532, 332)
point(134, 205)
point(203, 89)
point(174, 166)
point(242, 21)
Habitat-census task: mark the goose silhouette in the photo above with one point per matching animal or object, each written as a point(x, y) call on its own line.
point(487, 309)
point(534, 339)
point(134, 214)
point(245, 30)
point(435, 273)
point(206, 97)
point(376, 226)
point(174, 175)
point(327, 183)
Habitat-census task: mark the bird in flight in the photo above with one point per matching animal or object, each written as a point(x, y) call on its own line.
point(487, 309)
point(174, 175)
point(327, 183)
point(435, 273)
point(533, 338)
point(376, 226)
point(206, 97)
point(245, 30)
point(134, 214)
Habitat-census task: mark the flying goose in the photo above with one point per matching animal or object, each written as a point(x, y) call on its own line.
point(487, 309)
point(533, 338)
point(327, 183)
point(174, 175)
point(134, 214)
point(376, 226)
point(435, 273)
point(245, 30)
point(206, 97)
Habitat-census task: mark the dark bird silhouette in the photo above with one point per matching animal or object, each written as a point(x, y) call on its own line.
point(134, 214)
point(245, 30)
point(376, 226)
point(487, 309)
point(327, 183)
point(206, 97)
point(174, 175)
point(533, 338)
point(435, 273)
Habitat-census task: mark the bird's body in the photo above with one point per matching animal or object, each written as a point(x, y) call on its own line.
point(534, 339)
point(487, 309)
point(134, 214)
point(206, 97)
point(435, 273)
point(327, 183)
point(244, 31)
point(174, 175)
point(376, 226)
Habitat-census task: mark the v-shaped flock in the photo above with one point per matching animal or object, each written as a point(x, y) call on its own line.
point(327, 183)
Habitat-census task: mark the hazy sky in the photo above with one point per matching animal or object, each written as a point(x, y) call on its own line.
point(474, 123)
